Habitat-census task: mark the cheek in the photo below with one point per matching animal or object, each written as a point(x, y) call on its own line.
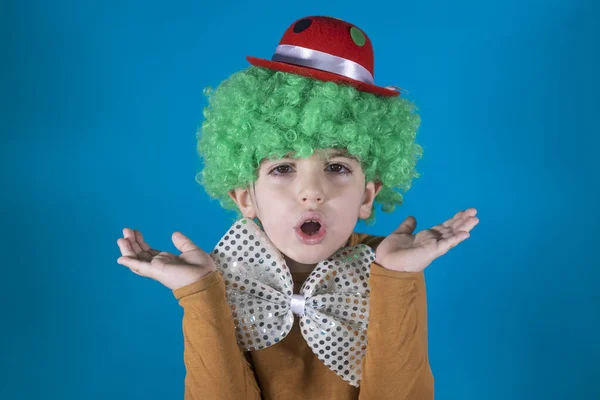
point(273, 206)
point(346, 207)
point(351, 196)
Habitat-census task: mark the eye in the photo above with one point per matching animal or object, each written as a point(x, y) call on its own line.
point(285, 169)
point(280, 169)
point(340, 169)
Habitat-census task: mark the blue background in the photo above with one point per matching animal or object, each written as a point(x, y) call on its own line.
point(99, 106)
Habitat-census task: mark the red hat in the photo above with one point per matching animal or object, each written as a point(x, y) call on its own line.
point(327, 49)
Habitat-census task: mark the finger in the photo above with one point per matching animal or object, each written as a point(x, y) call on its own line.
point(128, 234)
point(471, 212)
point(163, 257)
point(459, 216)
point(467, 224)
point(125, 247)
point(429, 234)
point(444, 230)
point(471, 223)
point(451, 221)
point(407, 226)
point(183, 243)
point(440, 228)
point(136, 266)
point(462, 221)
point(145, 247)
point(446, 244)
point(146, 253)
point(160, 261)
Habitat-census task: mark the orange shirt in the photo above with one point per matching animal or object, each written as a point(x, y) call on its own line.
point(395, 366)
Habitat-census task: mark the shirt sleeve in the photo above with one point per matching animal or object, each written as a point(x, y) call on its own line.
point(396, 364)
point(216, 367)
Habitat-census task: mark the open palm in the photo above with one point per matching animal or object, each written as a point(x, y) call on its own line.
point(173, 271)
point(403, 251)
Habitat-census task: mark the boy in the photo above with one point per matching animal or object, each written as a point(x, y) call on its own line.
point(301, 147)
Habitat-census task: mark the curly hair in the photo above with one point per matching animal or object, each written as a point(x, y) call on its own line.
point(260, 113)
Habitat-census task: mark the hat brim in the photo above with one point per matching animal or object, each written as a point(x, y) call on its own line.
point(321, 75)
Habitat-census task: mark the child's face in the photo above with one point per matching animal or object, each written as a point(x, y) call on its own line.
point(329, 183)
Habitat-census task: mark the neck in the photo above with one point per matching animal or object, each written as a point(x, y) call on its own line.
point(295, 266)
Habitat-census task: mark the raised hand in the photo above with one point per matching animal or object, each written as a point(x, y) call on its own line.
point(173, 271)
point(403, 251)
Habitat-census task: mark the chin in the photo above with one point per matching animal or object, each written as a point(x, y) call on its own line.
point(307, 259)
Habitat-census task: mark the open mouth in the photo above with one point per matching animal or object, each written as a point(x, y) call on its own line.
point(311, 232)
point(310, 227)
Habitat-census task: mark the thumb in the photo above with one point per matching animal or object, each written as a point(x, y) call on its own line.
point(183, 243)
point(407, 226)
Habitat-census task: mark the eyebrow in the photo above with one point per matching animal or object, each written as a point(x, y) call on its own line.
point(332, 154)
point(342, 153)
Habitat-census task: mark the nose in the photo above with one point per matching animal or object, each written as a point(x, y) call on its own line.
point(311, 191)
point(312, 197)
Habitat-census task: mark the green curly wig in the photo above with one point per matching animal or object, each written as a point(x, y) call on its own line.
point(259, 113)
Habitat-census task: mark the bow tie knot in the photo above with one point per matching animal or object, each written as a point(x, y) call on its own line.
point(333, 303)
point(297, 304)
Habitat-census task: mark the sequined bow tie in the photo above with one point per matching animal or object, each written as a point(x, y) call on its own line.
point(333, 304)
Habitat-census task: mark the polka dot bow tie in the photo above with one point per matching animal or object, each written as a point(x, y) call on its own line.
point(333, 304)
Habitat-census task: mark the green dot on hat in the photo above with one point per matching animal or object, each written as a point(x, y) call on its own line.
point(357, 36)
